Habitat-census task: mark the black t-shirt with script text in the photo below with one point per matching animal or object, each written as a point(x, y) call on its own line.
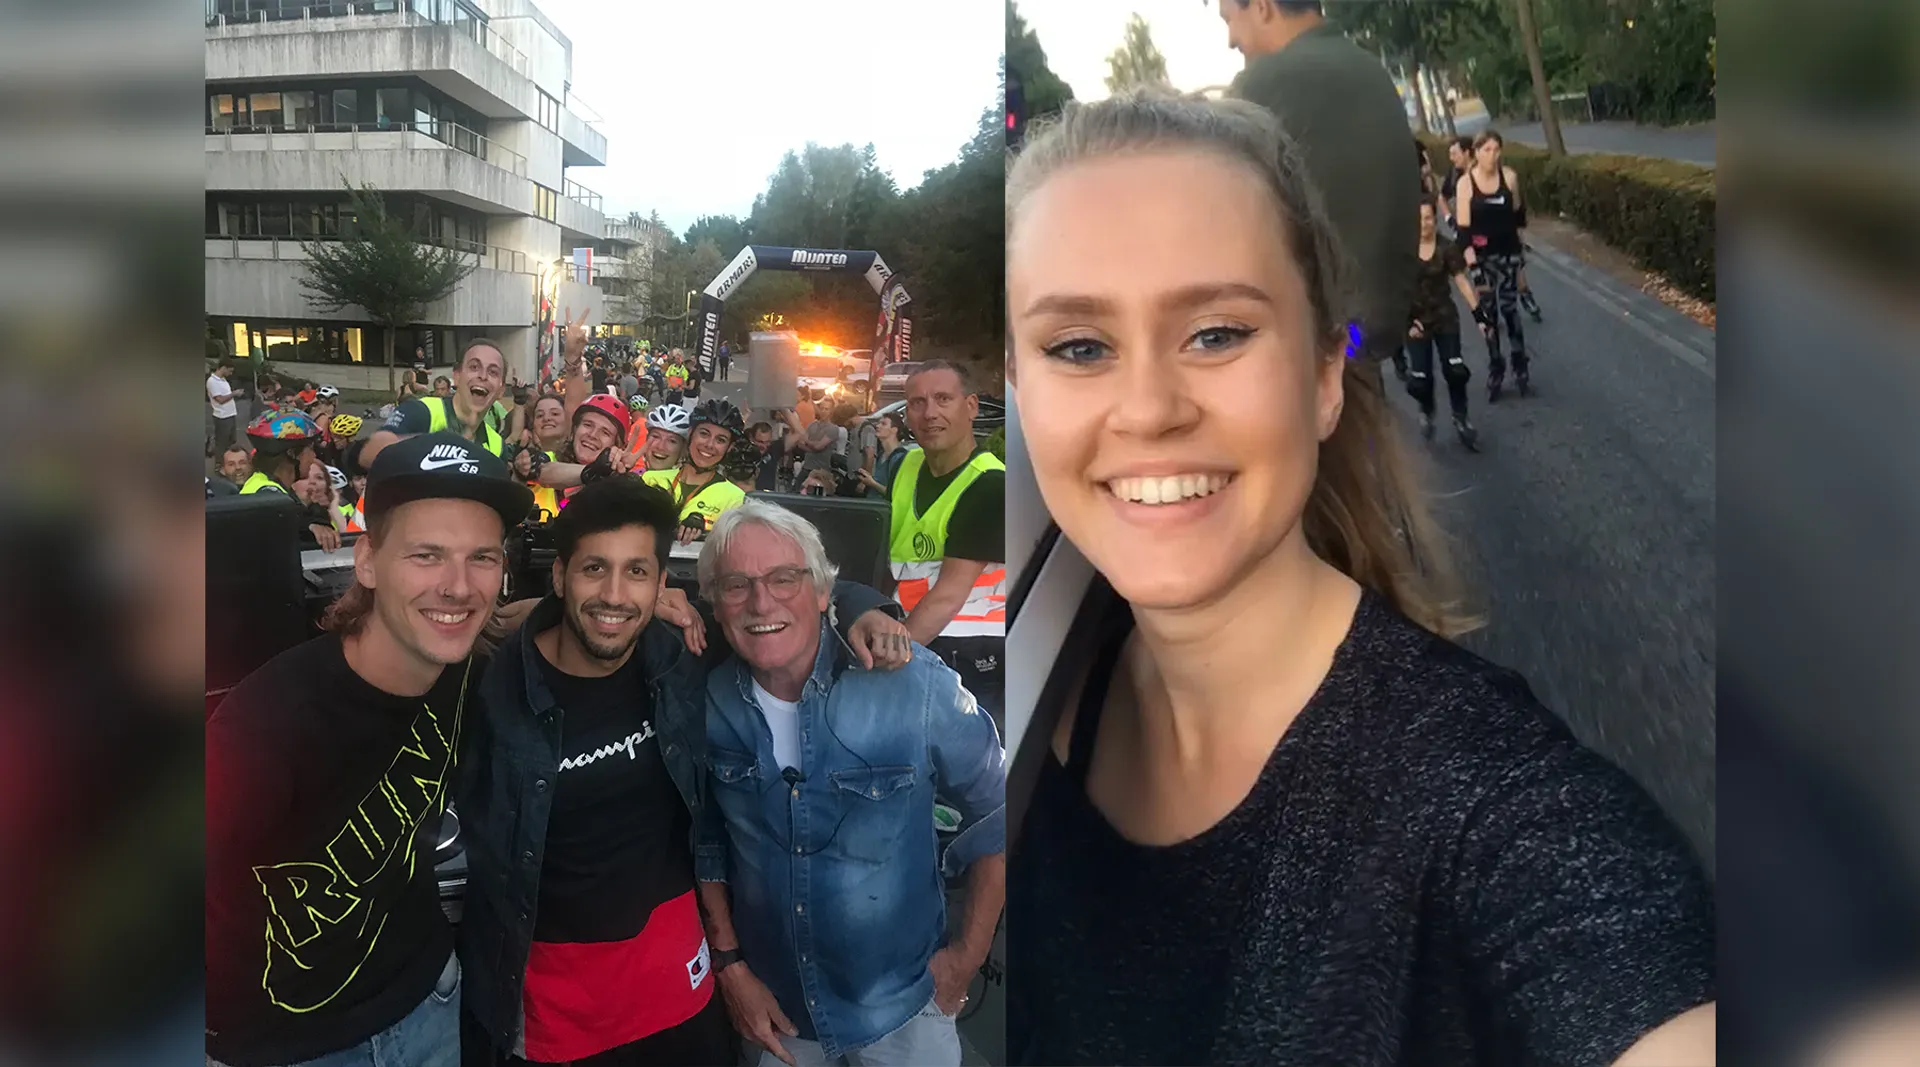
point(324, 797)
point(617, 838)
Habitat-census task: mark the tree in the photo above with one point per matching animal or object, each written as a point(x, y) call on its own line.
point(381, 266)
point(1137, 61)
point(1542, 93)
point(1044, 94)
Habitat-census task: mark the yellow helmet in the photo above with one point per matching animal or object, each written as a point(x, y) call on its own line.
point(346, 425)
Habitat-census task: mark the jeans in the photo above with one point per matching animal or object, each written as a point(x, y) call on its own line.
point(223, 435)
point(428, 1037)
point(929, 1039)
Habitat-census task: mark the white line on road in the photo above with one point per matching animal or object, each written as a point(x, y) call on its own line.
point(1557, 265)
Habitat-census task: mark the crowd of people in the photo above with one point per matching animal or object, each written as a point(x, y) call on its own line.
point(663, 791)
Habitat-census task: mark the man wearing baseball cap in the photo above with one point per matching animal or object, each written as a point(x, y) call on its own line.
point(327, 773)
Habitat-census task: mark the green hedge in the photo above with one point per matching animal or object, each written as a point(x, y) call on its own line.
point(1657, 211)
point(997, 443)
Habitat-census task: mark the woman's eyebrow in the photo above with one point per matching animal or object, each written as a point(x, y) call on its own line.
point(1182, 299)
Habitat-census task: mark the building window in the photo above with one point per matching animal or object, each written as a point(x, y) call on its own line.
point(545, 202)
point(221, 114)
point(298, 105)
point(266, 109)
point(346, 106)
point(394, 108)
point(549, 111)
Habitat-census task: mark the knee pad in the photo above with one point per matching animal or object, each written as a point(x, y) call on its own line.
point(1456, 370)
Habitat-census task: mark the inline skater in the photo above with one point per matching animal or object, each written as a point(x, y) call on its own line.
point(698, 488)
point(1487, 205)
point(1436, 325)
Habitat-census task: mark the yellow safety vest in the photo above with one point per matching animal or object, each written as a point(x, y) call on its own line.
point(440, 416)
point(920, 541)
point(260, 482)
point(709, 500)
point(546, 499)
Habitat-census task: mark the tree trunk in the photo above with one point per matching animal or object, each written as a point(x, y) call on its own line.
point(1419, 97)
point(393, 382)
point(1442, 86)
point(1542, 95)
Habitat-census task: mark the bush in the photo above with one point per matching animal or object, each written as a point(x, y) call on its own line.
point(997, 443)
point(1657, 211)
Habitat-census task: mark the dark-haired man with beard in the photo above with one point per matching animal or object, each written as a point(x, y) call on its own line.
point(583, 940)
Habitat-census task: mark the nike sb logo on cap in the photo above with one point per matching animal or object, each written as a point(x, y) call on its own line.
point(443, 456)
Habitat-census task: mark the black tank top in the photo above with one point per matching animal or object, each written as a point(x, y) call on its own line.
point(1495, 220)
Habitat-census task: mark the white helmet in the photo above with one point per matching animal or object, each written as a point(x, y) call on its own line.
point(336, 478)
point(674, 418)
point(325, 392)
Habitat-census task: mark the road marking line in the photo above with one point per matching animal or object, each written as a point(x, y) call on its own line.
point(1681, 351)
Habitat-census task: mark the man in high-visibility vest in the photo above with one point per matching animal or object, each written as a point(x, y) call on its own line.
point(478, 381)
point(948, 545)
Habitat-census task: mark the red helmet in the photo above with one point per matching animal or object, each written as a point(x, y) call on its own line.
point(611, 407)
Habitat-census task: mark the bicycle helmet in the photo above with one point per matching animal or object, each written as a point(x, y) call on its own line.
point(611, 407)
point(742, 461)
point(720, 413)
point(638, 404)
point(283, 431)
point(336, 478)
point(346, 425)
point(326, 392)
point(673, 418)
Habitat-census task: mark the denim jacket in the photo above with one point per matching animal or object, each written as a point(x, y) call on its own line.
point(509, 761)
point(836, 884)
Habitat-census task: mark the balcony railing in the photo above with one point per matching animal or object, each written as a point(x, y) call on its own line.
point(581, 108)
point(581, 195)
point(259, 246)
point(372, 135)
point(353, 14)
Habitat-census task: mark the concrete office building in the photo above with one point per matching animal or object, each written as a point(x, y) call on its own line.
point(458, 111)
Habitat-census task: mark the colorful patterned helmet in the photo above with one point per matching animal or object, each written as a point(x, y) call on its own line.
point(283, 431)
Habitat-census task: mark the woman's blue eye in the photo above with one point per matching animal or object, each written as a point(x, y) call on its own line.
point(1216, 338)
point(1077, 350)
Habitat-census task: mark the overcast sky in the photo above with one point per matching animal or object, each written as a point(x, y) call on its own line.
point(700, 100)
point(1079, 35)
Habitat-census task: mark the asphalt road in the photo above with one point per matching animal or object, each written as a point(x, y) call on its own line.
point(1586, 523)
point(1688, 144)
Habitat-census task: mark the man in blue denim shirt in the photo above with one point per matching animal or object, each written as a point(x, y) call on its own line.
point(820, 871)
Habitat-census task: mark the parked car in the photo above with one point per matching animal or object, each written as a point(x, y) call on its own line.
point(893, 378)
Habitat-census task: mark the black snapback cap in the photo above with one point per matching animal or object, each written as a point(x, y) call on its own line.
point(436, 466)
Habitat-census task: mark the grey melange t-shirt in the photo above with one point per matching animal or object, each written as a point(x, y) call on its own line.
point(1338, 104)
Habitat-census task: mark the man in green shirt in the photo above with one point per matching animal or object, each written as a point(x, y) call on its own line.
point(1339, 105)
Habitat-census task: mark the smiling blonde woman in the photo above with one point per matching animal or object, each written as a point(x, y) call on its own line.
point(1274, 815)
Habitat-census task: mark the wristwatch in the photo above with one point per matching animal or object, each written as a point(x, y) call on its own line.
point(724, 958)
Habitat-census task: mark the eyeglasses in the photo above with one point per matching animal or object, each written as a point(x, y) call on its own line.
point(783, 583)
